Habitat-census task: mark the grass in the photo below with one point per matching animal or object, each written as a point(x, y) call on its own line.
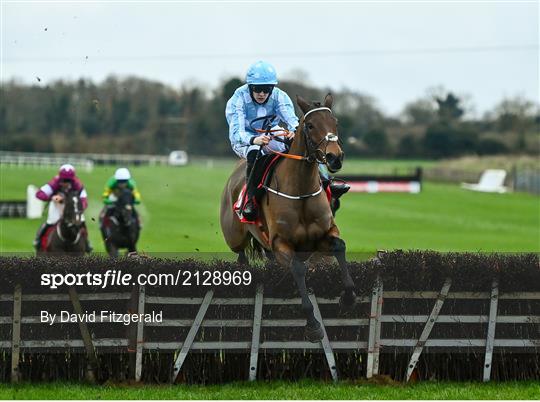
point(277, 390)
point(180, 213)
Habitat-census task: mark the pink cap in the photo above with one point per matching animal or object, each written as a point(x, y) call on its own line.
point(66, 172)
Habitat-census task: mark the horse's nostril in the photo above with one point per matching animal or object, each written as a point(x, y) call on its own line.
point(333, 162)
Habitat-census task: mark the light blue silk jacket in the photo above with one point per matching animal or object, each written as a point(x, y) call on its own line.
point(241, 110)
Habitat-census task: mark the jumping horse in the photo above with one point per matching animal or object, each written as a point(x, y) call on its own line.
point(68, 235)
point(296, 218)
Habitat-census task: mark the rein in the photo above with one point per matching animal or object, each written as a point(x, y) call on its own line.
point(69, 225)
point(311, 157)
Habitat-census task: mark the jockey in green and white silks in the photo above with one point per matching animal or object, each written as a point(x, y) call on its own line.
point(122, 178)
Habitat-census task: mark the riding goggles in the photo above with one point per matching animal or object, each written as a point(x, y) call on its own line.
point(261, 88)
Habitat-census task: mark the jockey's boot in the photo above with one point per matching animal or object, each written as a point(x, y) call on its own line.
point(338, 189)
point(40, 232)
point(249, 211)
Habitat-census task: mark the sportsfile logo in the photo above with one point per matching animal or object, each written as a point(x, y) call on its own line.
point(109, 278)
point(119, 278)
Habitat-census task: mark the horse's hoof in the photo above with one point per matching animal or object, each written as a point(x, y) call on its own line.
point(347, 299)
point(314, 334)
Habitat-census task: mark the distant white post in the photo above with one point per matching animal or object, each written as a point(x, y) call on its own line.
point(34, 207)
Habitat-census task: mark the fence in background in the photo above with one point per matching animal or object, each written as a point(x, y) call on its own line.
point(87, 161)
point(524, 180)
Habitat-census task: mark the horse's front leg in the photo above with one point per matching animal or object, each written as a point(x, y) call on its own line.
point(335, 245)
point(286, 256)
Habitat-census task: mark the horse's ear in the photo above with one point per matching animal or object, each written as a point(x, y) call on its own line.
point(328, 100)
point(304, 104)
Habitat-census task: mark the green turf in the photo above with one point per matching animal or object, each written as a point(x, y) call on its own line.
point(181, 206)
point(277, 390)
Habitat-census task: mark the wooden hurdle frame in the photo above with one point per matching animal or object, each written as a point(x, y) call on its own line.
point(371, 346)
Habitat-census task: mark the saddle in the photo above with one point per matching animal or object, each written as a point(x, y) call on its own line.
point(262, 174)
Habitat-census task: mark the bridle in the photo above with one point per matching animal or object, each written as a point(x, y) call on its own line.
point(70, 224)
point(314, 151)
point(120, 209)
point(315, 154)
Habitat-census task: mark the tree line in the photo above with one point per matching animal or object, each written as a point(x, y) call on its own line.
point(134, 115)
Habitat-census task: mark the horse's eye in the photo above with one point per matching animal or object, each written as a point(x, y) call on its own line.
point(309, 126)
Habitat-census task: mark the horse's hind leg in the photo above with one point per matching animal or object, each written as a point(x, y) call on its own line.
point(285, 255)
point(111, 249)
point(242, 259)
point(269, 255)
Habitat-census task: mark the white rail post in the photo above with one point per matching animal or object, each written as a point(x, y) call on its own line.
point(140, 335)
point(378, 322)
point(92, 366)
point(374, 329)
point(325, 342)
point(491, 329)
point(16, 334)
point(428, 327)
point(256, 334)
point(191, 334)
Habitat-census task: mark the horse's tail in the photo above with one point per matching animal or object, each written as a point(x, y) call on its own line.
point(254, 250)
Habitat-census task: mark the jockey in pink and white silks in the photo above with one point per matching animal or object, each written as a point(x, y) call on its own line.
point(66, 180)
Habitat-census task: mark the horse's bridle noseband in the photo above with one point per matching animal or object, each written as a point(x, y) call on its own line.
point(314, 155)
point(314, 151)
point(70, 224)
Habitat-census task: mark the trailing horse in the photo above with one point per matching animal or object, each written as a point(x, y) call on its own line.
point(120, 224)
point(296, 218)
point(68, 235)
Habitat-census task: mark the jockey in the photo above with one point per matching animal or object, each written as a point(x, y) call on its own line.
point(257, 98)
point(122, 179)
point(65, 181)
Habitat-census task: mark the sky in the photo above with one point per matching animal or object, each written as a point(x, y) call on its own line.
point(394, 51)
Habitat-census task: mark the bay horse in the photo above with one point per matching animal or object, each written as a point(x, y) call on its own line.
point(67, 236)
point(119, 225)
point(296, 218)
